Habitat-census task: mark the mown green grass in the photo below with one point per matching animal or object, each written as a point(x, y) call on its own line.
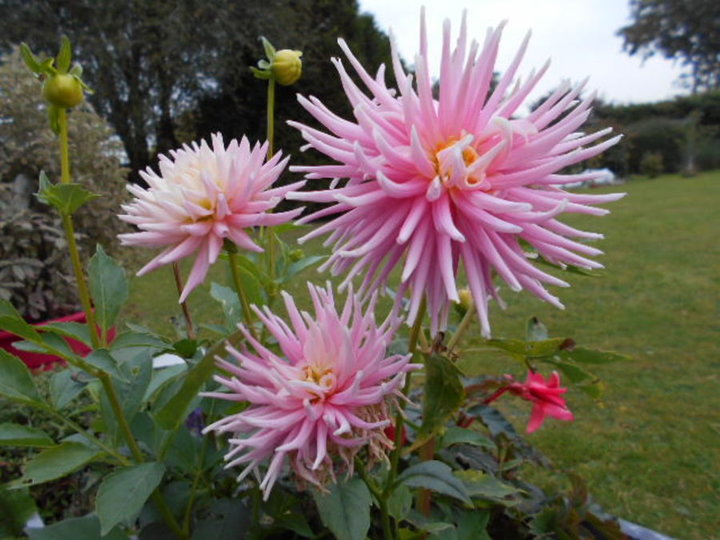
point(650, 450)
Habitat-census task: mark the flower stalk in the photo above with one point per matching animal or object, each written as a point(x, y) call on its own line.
point(183, 304)
point(239, 289)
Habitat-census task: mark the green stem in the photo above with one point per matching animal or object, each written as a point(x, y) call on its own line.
point(239, 289)
point(399, 418)
point(64, 147)
point(183, 305)
point(83, 290)
point(271, 117)
point(193, 489)
point(462, 327)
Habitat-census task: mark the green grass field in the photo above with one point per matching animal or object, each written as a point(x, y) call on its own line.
point(650, 450)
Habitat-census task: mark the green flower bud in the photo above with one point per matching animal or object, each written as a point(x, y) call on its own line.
point(466, 299)
point(286, 66)
point(63, 90)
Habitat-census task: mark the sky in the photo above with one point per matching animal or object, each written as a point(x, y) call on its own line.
point(577, 35)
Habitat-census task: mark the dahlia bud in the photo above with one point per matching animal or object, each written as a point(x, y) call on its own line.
point(286, 66)
point(63, 90)
point(466, 299)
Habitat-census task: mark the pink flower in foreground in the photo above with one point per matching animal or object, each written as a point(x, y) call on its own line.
point(201, 197)
point(545, 396)
point(461, 177)
point(319, 403)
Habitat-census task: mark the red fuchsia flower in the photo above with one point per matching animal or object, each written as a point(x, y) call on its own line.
point(435, 181)
point(202, 197)
point(319, 403)
point(545, 396)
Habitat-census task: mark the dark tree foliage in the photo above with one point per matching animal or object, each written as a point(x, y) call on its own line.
point(685, 30)
point(165, 71)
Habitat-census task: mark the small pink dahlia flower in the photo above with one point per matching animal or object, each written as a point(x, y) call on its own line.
point(327, 396)
point(458, 177)
point(546, 398)
point(201, 197)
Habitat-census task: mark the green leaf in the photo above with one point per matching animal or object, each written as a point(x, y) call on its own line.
point(57, 462)
point(590, 356)
point(459, 435)
point(400, 502)
point(576, 374)
point(64, 388)
point(16, 508)
point(108, 286)
point(30, 59)
point(123, 493)
point(298, 266)
point(16, 381)
point(259, 73)
point(535, 330)
point(128, 340)
point(269, 49)
point(77, 70)
point(19, 435)
point(435, 476)
point(346, 509)
point(229, 302)
point(11, 321)
point(77, 331)
point(485, 486)
point(102, 360)
point(174, 411)
point(82, 528)
point(472, 524)
point(444, 394)
point(65, 198)
point(532, 349)
point(64, 57)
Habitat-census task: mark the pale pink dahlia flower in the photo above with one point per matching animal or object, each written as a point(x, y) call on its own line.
point(433, 181)
point(202, 197)
point(323, 399)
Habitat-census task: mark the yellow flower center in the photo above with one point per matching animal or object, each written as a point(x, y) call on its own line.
point(469, 154)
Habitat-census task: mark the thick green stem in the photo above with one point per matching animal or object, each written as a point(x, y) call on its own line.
point(183, 305)
point(239, 289)
point(67, 222)
point(380, 496)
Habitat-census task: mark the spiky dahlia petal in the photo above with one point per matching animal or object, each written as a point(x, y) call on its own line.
point(203, 195)
point(457, 180)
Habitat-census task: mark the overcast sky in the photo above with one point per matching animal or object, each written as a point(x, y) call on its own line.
point(578, 35)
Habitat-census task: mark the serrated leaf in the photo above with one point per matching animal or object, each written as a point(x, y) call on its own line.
point(122, 494)
point(530, 349)
point(459, 435)
point(19, 435)
point(64, 57)
point(346, 509)
point(485, 486)
point(582, 355)
point(57, 462)
point(444, 393)
point(11, 321)
point(103, 360)
point(435, 476)
point(16, 381)
point(66, 198)
point(64, 388)
point(77, 331)
point(109, 288)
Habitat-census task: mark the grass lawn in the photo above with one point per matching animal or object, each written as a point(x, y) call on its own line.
point(650, 450)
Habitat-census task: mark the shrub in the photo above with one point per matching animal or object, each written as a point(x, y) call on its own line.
point(651, 164)
point(34, 272)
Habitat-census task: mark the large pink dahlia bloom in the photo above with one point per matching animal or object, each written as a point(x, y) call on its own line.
point(433, 181)
point(321, 401)
point(202, 196)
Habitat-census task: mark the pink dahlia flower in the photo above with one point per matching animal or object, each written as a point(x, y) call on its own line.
point(323, 399)
point(436, 181)
point(202, 197)
point(545, 396)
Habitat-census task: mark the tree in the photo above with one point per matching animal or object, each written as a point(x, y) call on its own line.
point(154, 62)
point(684, 30)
